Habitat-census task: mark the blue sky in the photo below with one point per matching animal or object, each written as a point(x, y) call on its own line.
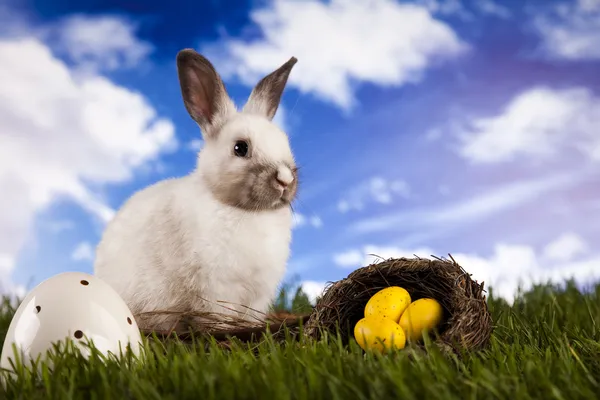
point(421, 127)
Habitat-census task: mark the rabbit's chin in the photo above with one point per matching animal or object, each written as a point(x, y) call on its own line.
point(266, 204)
point(281, 203)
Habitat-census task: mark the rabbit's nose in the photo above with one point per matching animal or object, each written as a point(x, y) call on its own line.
point(284, 176)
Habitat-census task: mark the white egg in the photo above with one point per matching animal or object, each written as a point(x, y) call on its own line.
point(71, 305)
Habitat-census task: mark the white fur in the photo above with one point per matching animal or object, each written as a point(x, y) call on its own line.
point(173, 244)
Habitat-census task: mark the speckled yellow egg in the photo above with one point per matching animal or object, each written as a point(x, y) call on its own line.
point(379, 333)
point(420, 316)
point(389, 303)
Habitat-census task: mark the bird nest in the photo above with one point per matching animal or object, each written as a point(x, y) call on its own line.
point(466, 325)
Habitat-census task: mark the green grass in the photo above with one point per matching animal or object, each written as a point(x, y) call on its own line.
point(546, 346)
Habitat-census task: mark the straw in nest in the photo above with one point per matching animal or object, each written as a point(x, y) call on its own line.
point(467, 323)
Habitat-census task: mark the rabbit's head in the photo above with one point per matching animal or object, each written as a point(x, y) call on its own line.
point(246, 160)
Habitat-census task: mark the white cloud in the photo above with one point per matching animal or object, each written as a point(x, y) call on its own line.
point(99, 42)
point(349, 258)
point(12, 22)
point(343, 206)
point(313, 289)
point(570, 30)
point(281, 119)
point(298, 220)
point(433, 135)
point(505, 269)
point(456, 8)
point(316, 221)
point(444, 190)
point(7, 286)
point(539, 122)
point(446, 7)
point(301, 220)
point(565, 248)
point(355, 258)
point(377, 190)
point(511, 265)
point(490, 7)
point(383, 42)
point(63, 133)
point(58, 226)
point(474, 208)
point(195, 144)
point(83, 252)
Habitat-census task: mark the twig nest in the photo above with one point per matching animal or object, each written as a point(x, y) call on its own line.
point(466, 324)
point(188, 326)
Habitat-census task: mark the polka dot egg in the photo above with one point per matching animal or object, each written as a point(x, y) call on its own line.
point(71, 305)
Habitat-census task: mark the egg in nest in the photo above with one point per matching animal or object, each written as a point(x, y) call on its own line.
point(389, 303)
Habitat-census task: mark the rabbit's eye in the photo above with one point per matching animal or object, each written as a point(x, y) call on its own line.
point(240, 149)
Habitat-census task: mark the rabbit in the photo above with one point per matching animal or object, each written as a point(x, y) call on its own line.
point(218, 239)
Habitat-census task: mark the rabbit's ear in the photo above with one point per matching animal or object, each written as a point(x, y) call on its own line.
point(265, 96)
point(203, 92)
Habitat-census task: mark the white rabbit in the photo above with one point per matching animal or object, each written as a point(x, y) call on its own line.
point(221, 233)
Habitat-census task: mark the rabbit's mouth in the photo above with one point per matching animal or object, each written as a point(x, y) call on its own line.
point(276, 200)
point(287, 196)
point(283, 198)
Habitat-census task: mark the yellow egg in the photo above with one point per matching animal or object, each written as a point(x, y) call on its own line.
point(389, 303)
point(378, 333)
point(420, 316)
